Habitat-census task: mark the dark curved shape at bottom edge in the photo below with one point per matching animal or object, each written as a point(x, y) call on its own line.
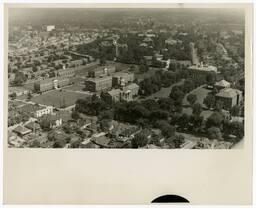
point(170, 199)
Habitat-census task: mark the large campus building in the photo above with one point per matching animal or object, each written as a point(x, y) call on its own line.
point(102, 71)
point(229, 97)
point(126, 93)
point(50, 84)
point(69, 72)
point(122, 78)
point(37, 111)
point(202, 70)
point(98, 84)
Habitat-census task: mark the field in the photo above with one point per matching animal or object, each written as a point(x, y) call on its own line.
point(200, 92)
point(204, 113)
point(59, 99)
point(76, 87)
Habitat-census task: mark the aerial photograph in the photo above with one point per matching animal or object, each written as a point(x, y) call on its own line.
point(126, 78)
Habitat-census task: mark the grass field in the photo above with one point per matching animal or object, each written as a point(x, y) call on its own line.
point(205, 113)
point(200, 93)
point(59, 99)
point(75, 87)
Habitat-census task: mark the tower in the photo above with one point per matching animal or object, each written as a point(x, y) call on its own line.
point(116, 47)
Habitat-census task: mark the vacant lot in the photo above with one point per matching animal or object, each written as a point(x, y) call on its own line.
point(59, 99)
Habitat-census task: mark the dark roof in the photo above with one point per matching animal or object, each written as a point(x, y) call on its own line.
point(102, 141)
point(22, 130)
point(31, 125)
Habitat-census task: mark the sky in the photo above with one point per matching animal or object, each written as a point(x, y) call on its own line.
point(66, 15)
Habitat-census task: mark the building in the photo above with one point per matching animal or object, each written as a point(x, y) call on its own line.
point(202, 70)
point(33, 126)
point(222, 84)
point(184, 63)
point(98, 84)
point(122, 78)
point(130, 91)
point(69, 72)
point(55, 120)
point(171, 41)
point(115, 94)
point(148, 60)
point(50, 28)
point(50, 84)
point(102, 71)
point(21, 130)
point(126, 93)
point(19, 91)
point(229, 97)
point(36, 110)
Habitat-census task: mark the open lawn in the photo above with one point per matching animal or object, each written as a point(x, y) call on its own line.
point(200, 93)
point(59, 99)
point(76, 87)
point(164, 91)
point(205, 113)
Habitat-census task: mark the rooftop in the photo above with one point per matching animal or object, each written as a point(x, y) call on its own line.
point(228, 92)
point(202, 67)
point(22, 130)
point(131, 86)
point(222, 83)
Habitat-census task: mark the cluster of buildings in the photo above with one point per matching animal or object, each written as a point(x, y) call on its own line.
point(119, 85)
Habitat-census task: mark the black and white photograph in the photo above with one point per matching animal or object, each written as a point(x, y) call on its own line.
point(126, 78)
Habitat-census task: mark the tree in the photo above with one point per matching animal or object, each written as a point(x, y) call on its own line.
point(143, 68)
point(196, 121)
point(214, 133)
point(197, 108)
point(105, 124)
point(102, 61)
point(45, 123)
point(60, 142)
point(177, 95)
point(139, 140)
point(209, 101)
point(75, 115)
point(13, 95)
point(214, 120)
point(20, 78)
point(211, 78)
point(168, 131)
point(34, 69)
point(183, 121)
point(237, 129)
point(191, 98)
point(29, 96)
point(235, 110)
point(172, 67)
point(188, 85)
point(178, 140)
